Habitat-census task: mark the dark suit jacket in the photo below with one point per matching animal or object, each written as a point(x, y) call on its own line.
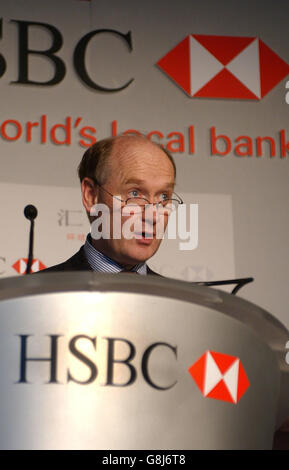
point(78, 262)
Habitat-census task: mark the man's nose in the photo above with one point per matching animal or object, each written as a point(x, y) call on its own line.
point(150, 214)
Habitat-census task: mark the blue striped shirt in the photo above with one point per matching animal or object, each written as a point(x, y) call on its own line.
point(103, 264)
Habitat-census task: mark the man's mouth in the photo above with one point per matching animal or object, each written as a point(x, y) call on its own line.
point(147, 234)
point(144, 237)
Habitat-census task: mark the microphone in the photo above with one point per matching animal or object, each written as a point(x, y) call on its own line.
point(30, 213)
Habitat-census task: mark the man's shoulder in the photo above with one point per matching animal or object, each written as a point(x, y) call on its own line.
point(151, 272)
point(77, 262)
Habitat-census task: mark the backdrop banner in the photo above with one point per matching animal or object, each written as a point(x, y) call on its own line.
point(208, 80)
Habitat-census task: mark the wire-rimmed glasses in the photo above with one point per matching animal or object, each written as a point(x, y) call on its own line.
point(169, 205)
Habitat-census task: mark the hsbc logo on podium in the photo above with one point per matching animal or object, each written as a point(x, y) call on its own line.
point(224, 67)
point(217, 375)
point(220, 376)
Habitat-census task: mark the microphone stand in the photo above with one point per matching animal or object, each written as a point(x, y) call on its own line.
point(30, 213)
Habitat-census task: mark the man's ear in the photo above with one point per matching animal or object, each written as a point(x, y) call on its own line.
point(89, 194)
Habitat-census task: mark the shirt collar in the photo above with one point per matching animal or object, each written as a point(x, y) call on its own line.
point(102, 263)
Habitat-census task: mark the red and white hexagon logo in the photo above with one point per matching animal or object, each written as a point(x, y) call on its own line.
point(220, 376)
point(224, 67)
point(21, 264)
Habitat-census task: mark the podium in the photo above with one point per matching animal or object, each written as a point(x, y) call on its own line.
point(92, 361)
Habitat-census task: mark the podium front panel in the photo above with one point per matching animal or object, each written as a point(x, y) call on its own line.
point(121, 367)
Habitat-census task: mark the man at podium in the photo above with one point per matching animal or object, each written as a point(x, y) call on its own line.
point(135, 173)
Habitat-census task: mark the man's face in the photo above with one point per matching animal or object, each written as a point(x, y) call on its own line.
point(137, 168)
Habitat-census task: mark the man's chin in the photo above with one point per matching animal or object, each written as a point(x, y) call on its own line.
point(128, 252)
point(141, 252)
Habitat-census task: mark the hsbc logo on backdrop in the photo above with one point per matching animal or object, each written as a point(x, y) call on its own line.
point(21, 264)
point(224, 67)
point(203, 66)
point(220, 376)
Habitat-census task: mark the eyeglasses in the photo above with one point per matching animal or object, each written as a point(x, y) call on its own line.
point(170, 204)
